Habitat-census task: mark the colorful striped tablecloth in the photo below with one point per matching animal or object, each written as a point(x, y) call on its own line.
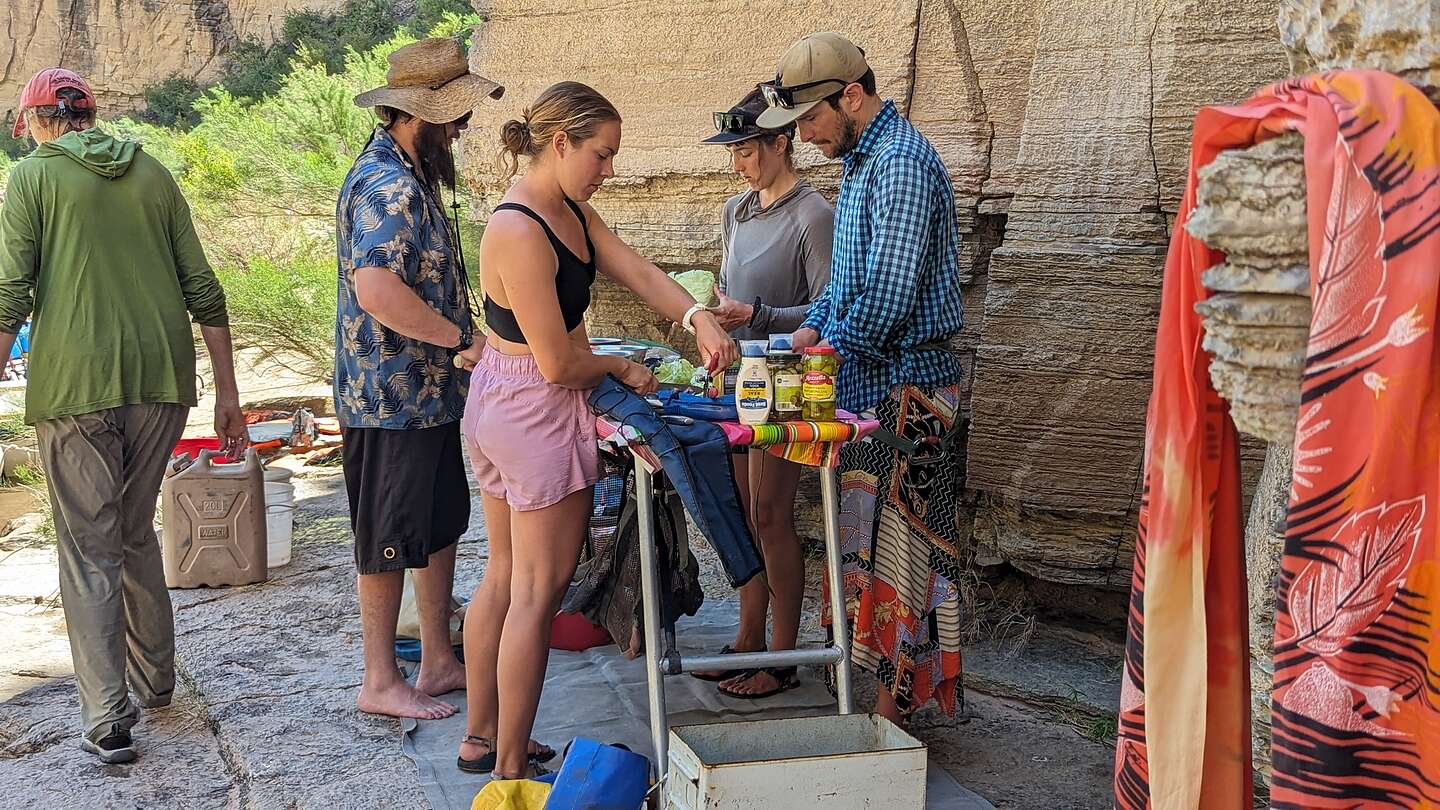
point(813, 444)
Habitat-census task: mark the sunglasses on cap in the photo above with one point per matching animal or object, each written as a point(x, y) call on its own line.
point(731, 122)
point(778, 95)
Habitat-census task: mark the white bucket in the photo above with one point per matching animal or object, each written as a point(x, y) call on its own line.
point(279, 515)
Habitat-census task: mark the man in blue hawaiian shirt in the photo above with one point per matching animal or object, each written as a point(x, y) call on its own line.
point(403, 332)
point(891, 312)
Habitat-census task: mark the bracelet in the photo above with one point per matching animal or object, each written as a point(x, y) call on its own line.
point(689, 320)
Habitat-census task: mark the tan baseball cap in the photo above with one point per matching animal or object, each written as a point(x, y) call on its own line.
point(814, 68)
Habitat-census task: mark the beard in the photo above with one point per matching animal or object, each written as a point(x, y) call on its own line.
point(437, 157)
point(849, 135)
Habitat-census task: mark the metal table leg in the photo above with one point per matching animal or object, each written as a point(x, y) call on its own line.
point(650, 585)
point(839, 620)
point(657, 636)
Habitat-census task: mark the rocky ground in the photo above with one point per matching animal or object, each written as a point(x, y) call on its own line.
point(265, 716)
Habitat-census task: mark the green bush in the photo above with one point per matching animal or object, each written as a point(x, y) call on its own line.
point(33, 477)
point(14, 429)
point(171, 102)
point(433, 15)
point(5, 164)
point(12, 147)
point(285, 310)
point(360, 26)
point(254, 69)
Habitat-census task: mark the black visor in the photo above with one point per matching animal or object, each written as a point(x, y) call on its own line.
point(740, 123)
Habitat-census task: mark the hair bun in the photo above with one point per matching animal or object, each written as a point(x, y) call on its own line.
point(568, 107)
point(516, 137)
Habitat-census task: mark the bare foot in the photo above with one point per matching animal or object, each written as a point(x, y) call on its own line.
point(402, 700)
point(755, 682)
point(439, 679)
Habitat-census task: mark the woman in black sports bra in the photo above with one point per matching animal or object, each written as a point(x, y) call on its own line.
point(530, 436)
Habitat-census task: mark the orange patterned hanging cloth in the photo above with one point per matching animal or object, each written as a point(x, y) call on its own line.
point(1356, 712)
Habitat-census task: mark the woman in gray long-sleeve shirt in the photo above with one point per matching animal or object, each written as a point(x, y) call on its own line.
point(776, 258)
point(775, 237)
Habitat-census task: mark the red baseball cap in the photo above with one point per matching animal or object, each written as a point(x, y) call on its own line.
point(43, 90)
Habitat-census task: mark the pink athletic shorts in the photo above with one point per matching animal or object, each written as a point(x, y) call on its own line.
point(530, 442)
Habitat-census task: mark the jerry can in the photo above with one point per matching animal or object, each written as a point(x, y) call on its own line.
point(213, 532)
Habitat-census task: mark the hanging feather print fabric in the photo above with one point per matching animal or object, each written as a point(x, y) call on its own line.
point(1356, 705)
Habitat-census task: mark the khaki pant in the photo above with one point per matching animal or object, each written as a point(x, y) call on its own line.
point(104, 471)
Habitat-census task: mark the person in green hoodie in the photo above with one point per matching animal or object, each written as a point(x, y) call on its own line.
point(96, 242)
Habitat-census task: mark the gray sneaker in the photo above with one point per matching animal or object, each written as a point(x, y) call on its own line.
point(112, 749)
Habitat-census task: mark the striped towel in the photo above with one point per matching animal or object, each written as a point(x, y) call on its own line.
point(813, 444)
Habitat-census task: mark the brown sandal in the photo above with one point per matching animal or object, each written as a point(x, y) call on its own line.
point(725, 675)
point(481, 764)
point(533, 770)
point(486, 762)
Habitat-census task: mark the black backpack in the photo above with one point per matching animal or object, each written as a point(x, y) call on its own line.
point(606, 586)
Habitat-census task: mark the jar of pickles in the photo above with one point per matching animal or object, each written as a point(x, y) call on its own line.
point(788, 378)
point(819, 367)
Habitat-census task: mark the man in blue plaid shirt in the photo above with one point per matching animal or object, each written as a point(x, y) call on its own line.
point(892, 312)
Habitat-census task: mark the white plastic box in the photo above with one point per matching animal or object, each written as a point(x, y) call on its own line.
point(838, 762)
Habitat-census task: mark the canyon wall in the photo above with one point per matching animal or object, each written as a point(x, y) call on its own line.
point(124, 45)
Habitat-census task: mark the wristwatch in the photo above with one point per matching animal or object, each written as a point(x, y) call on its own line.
point(754, 311)
point(467, 339)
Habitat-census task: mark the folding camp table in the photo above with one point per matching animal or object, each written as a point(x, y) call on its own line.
point(661, 656)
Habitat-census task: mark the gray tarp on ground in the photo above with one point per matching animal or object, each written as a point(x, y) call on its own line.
point(601, 695)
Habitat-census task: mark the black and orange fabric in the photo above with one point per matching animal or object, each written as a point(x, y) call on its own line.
point(1356, 706)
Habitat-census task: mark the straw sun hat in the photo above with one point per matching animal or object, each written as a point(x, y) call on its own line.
point(431, 80)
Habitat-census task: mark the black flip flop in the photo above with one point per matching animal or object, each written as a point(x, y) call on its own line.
point(727, 674)
point(486, 763)
point(786, 677)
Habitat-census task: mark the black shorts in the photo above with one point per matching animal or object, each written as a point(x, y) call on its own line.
point(409, 496)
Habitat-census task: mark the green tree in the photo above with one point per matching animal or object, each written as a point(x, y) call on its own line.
point(254, 69)
point(432, 14)
point(360, 26)
point(5, 164)
point(171, 102)
point(13, 147)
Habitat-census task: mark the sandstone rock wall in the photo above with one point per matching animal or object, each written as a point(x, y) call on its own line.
point(1065, 127)
point(1062, 373)
point(122, 46)
point(1399, 36)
